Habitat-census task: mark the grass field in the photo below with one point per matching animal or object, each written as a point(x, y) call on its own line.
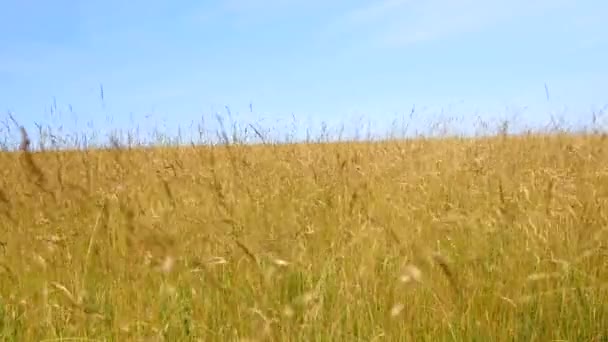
point(496, 239)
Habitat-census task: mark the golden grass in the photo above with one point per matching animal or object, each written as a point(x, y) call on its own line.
point(495, 239)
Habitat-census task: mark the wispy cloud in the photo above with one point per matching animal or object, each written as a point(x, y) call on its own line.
point(403, 22)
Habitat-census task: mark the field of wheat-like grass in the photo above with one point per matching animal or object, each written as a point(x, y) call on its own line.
point(496, 239)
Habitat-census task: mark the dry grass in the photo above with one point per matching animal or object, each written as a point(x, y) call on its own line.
point(496, 239)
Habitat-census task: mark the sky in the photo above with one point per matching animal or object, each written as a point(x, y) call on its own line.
point(288, 66)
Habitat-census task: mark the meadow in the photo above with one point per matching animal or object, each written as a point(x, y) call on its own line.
point(501, 238)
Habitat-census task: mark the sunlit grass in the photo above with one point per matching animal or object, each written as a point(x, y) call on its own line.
point(494, 239)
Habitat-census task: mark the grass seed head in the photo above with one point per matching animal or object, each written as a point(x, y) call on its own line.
point(217, 261)
point(397, 309)
point(410, 274)
point(167, 264)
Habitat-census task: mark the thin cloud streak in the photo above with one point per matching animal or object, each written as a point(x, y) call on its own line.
point(404, 22)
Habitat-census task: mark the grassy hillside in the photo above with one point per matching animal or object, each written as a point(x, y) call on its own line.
point(495, 239)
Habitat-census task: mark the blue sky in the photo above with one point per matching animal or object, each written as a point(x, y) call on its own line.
point(168, 63)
